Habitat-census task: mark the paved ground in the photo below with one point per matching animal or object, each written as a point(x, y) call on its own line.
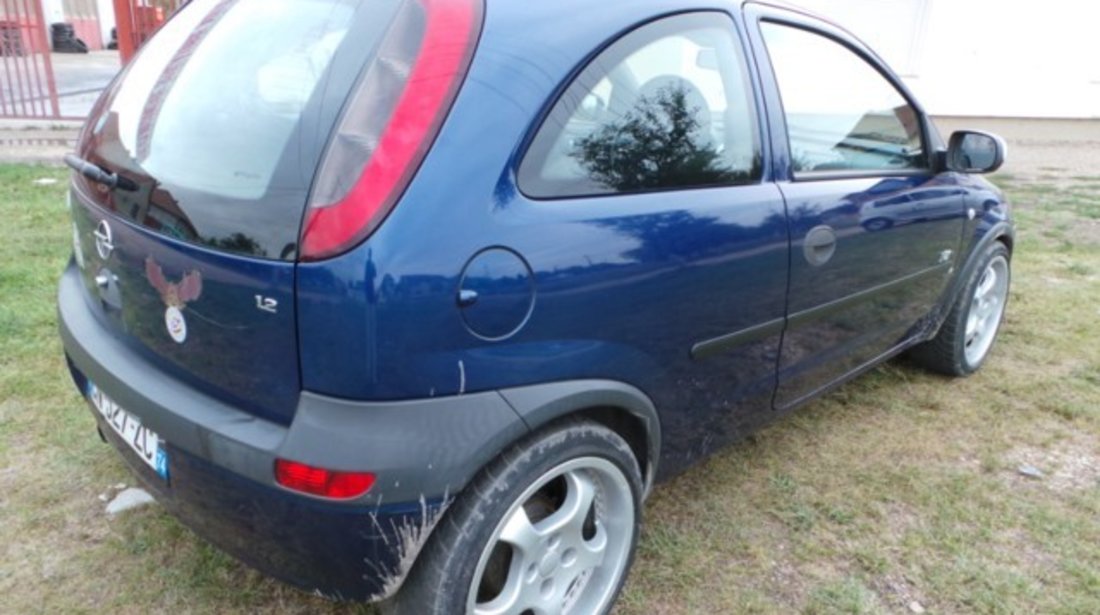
point(43, 142)
point(80, 77)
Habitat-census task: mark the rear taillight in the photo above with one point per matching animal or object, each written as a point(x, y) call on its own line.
point(390, 122)
point(321, 482)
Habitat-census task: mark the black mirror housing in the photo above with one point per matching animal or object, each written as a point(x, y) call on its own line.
point(971, 151)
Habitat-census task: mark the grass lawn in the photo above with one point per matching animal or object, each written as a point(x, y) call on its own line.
point(900, 488)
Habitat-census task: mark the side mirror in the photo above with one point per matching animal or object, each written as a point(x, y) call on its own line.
point(970, 151)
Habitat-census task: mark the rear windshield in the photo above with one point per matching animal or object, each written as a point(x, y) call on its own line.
point(222, 117)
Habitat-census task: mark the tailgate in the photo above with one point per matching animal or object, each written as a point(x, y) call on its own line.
point(211, 137)
point(194, 312)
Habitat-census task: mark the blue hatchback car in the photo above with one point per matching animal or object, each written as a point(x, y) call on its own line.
point(425, 295)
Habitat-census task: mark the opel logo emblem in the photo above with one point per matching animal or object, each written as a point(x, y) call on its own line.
point(104, 244)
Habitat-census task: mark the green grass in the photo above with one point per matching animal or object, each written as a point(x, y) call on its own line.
point(899, 487)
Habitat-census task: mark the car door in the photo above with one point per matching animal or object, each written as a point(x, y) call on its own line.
point(875, 230)
point(655, 226)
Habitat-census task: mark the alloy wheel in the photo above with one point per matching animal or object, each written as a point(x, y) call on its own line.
point(986, 308)
point(562, 546)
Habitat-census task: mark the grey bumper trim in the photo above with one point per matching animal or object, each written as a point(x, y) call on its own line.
point(419, 449)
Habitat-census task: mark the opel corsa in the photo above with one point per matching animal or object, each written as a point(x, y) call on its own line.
point(417, 299)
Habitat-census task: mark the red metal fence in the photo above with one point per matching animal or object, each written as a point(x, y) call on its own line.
point(27, 88)
point(137, 20)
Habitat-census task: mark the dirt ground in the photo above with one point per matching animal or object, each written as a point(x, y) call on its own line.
point(1050, 150)
point(1038, 149)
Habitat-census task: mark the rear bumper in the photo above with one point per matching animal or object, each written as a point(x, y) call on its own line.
point(340, 552)
point(221, 459)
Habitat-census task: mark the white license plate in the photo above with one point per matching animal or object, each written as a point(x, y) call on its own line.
point(144, 441)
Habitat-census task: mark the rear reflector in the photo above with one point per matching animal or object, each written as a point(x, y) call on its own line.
point(321, 482)
point(390, 122)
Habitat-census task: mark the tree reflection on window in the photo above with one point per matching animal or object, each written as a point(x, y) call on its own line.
point(659, 143)
point(668, 106)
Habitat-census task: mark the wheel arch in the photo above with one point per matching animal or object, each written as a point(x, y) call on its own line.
point(1002, 232)
point(620, 407)
point(1008, 238)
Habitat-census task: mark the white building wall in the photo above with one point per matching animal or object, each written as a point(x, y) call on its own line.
point(53, 11)
point(106, 18)
point(984, 57)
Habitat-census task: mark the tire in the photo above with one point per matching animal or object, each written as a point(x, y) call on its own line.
point(519, 537)
point(963, 343)
point(878, 224)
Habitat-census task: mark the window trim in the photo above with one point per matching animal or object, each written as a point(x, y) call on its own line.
point(832, 175)
point(756, 105)
point(808, 24)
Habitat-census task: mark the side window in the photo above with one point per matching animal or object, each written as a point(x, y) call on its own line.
point(841, 113)
point(667, 106)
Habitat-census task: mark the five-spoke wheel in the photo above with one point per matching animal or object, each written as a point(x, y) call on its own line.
point(550, 527)
point(986, 308)
point(968, 332)
point(562, 546)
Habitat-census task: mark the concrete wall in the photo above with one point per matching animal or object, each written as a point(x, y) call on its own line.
point(106, 18)
point(985, 57)
point(53, 11)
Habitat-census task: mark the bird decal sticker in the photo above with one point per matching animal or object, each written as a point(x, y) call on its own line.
point(175, 295)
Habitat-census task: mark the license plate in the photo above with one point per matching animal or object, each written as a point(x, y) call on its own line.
point(144, 441)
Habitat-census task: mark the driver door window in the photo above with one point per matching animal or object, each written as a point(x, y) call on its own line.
point(841, 113)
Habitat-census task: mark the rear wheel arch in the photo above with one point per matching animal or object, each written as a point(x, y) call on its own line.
point(444, 573)
point(619, 420)
point(620, 407)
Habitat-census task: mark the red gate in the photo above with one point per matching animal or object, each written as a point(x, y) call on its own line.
point(137, 20)
point(27, 87)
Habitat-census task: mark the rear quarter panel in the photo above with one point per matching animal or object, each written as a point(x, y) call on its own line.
point(381, 322)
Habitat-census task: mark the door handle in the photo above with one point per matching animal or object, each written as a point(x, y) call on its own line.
point(819, 245)
point(466, 298)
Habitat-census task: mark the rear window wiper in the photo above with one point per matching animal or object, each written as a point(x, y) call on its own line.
point(98, 174)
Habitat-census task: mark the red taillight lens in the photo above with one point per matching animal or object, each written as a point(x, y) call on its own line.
point(390, 122)
point(322, 482)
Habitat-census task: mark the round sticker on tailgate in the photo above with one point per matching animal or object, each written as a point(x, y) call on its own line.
point(175, 295)
point(177, 326)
